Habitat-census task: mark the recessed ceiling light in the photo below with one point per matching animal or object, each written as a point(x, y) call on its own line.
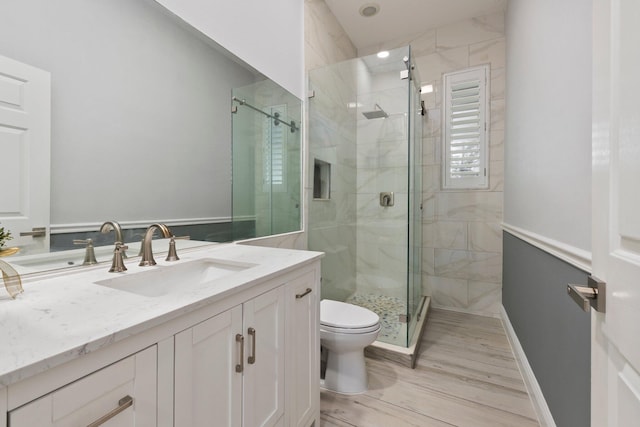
point(369, 9)
point(383, 54)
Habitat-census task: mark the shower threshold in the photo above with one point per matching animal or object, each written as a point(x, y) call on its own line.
point(406, 356)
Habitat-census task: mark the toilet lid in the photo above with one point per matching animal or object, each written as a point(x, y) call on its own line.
point(346, 316)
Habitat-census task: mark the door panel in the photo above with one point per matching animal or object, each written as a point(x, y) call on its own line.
point(616, 212)
point(264, 378)
point(208, 390)
point(25, 104)
point(303, 350)
point(97, 395)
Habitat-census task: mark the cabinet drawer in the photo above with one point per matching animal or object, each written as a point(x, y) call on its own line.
point(90, 398)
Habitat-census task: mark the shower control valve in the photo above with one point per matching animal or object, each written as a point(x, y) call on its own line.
point(386, 199)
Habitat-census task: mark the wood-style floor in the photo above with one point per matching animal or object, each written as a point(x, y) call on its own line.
point(466, 375)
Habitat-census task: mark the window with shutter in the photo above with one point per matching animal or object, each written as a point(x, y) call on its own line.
point(274, 151)
point(465, 129)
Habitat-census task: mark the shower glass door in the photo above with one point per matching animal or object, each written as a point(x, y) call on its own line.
point(414, 260)
point(365, 134)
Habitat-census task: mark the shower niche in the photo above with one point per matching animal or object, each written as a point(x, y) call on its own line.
point(321, 180)
point(365, 119)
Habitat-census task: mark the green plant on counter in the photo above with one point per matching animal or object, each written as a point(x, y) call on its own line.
point(4, 236)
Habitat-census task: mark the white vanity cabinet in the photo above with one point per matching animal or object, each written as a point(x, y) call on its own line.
point(119, 395)
point(229, 370)
point(247, 357)
point(254, 365)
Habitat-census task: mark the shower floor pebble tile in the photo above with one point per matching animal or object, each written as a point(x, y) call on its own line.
point(389, 309)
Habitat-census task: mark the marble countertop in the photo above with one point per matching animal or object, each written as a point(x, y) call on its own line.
point(63, 315)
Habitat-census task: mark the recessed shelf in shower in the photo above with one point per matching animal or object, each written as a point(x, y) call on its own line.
point(321, 180)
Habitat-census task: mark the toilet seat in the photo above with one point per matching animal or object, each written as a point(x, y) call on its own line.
point(340, 317)
point(354, 331)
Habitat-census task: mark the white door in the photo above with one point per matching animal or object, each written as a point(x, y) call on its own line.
point(25, 106)
point(615, 343)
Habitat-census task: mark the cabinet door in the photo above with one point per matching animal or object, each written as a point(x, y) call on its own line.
point(303, 350)
point(99, 395)
point(264, 330)
point(208, 390)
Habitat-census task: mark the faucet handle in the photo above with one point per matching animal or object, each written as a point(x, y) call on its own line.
point(172, 255)
point(117, 264)
point(89, 253)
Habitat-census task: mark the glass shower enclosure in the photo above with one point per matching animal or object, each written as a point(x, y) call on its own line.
point(365, 212)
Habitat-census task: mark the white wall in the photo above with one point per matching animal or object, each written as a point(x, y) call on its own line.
point(268, 35)
point(548, 120)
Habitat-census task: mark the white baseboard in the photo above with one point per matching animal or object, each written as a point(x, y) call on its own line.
point(531, 383)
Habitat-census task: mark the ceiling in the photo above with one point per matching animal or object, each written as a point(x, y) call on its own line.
point(400, 18)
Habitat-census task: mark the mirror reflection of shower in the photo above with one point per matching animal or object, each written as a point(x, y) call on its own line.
point(275, 116)
point(266, 171)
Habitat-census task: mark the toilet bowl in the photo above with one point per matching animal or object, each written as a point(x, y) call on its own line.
point(345, 330)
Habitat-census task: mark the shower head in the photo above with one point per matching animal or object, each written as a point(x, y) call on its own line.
point(377, 113)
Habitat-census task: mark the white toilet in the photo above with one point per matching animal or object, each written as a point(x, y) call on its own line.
point(345, 330)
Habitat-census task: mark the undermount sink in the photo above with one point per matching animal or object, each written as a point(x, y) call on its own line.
point(163, 280)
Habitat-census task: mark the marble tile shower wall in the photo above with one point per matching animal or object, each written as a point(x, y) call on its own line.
point(462, 244)
point(331, 128)
point(382, 165)
point(332, 221)
point(325, 41)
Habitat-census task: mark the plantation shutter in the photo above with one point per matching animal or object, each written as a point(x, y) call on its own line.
point(274, 151)
point(465, 127)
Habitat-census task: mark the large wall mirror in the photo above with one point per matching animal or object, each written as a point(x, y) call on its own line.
point(153, 122)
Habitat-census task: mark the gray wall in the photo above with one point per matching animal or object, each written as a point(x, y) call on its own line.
point(141, 122)
point(553, 330)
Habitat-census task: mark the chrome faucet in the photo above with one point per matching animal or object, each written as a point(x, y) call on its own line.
point(113, 225)
point(147, 252)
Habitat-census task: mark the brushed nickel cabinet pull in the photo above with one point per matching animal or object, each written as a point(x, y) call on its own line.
point(305, 293)
point(252, 359)
point(240, 340)
point(123, 404)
